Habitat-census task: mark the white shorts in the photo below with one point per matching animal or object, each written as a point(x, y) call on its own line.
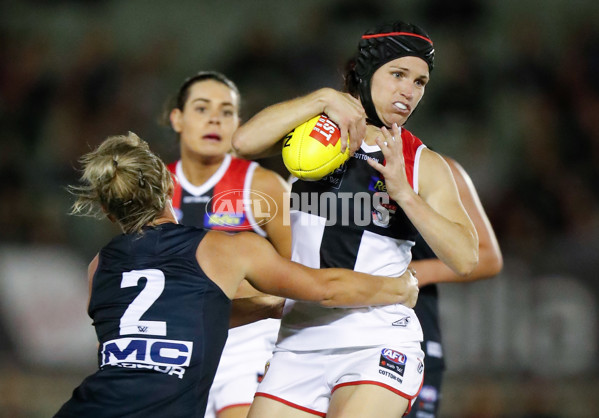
point(241, 366)
point(306, 379)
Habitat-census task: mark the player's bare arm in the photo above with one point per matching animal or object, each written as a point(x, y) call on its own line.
point(257, 260)
point(330, 287)
point(250, 305)
point(490, 260)
point(436, 211)
point(275, 219)
point(261, 135)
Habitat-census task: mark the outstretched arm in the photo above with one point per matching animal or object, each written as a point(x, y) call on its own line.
point(256, 260)
point(250, 305)
point(260, 136)
point(490, 260)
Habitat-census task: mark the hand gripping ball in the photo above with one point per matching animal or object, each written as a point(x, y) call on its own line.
point(313, 149)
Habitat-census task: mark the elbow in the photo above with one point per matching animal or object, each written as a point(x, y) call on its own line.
point(467, 265)
point(465, 270)
point(471, 258)
point(494, 265)
point(241, 144)
point(487, 267)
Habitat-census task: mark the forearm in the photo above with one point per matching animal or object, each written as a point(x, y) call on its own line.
point(346, 288)
point(250, 305)
point(433, 270)
point(264, 130)
point(247, 310)
point(454, 243)
point(490, 263)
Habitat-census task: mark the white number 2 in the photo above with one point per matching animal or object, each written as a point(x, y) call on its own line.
point(130, 321)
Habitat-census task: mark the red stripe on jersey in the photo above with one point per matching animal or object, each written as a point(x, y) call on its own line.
point(172, 167)
point(228, 194)
point(233, 180)
point(411, 143)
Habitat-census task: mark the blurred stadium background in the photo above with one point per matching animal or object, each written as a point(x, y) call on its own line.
point(514, 97)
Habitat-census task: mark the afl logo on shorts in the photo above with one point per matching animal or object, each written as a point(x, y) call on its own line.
point(393, 360)
point(393, 356)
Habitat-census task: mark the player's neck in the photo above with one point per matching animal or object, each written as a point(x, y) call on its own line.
point(199, 170)
point(167, 216)
point(372, 132)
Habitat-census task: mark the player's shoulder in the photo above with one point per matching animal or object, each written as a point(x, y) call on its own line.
point(267, 180)
point(222, 242)
point(409, 138)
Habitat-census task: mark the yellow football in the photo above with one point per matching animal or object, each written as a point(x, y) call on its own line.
point(313, 149)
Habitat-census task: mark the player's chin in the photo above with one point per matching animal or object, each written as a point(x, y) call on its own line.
point(212, 150)
point(215, 142)
point(397, 117)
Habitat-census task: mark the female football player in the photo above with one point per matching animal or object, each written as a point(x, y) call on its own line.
point(216, 190)
point(160, 292)
point(363, 362)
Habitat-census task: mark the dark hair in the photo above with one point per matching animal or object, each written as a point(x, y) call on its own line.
point(377, 47)
point(183, 93)
point(178, 101)
point(350, 79)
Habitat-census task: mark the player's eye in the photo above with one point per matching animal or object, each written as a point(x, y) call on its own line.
point(420, 83)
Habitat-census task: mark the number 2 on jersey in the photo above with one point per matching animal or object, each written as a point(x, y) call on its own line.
point(131, 322)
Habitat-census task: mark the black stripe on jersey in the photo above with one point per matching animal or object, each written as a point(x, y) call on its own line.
point(194, 208)
point(339, 247)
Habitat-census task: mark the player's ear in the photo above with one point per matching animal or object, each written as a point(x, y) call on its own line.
point(176, 118)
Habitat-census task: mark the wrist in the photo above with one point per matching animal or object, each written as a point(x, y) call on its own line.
point(405, 198)
point(321, 99)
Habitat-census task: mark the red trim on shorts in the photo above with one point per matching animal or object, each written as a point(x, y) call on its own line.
point(291, 404)
point(372, 382)
point(233, 406)
point(415, 396)
point(397, 392)
point(380, 35)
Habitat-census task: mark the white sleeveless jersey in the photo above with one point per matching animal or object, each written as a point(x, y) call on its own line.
point(347, 220)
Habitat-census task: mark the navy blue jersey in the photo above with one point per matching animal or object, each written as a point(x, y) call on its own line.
point(161, 325)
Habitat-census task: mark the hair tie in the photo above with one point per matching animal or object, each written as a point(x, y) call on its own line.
point(142, 179)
